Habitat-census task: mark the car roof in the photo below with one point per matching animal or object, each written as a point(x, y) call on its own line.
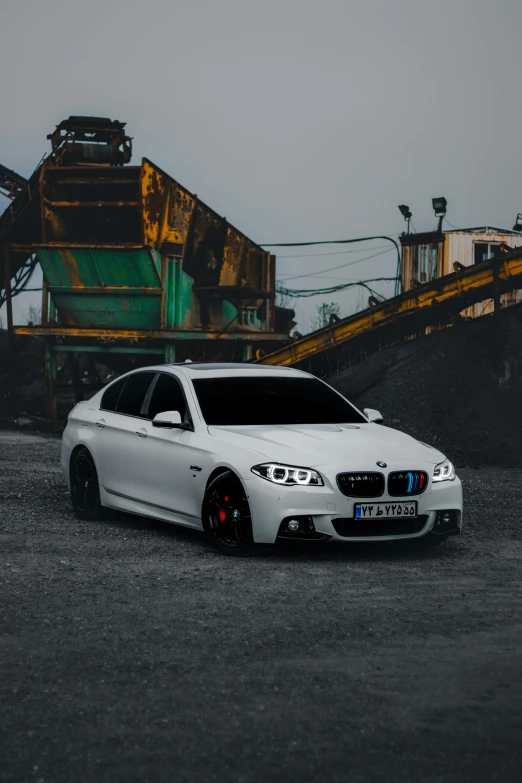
point(227, 369)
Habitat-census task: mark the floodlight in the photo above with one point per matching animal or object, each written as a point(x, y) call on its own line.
point(405, 211)
point(439, 206)
point(518, 223)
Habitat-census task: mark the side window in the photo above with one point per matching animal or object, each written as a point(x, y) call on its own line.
point(167, 396)
point(133, 394)
point(111, 396)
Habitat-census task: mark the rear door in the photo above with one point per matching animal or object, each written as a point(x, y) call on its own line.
point(119, 426)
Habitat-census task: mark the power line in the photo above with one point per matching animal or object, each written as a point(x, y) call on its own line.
point(387, 237)
point(327, 241)
point(300, 293)
point(451, 224)
point(335, 253)
point(333, 268)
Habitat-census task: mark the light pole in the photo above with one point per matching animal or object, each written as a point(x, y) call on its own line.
point(440, 207)
point(406, 213)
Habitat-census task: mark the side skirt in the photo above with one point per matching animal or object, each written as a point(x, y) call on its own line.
point(132, 506)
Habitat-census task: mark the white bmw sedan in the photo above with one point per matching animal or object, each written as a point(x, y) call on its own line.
point(251, 454)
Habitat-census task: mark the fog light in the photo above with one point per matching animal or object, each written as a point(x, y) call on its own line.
point(297, 527)
point(446, 523)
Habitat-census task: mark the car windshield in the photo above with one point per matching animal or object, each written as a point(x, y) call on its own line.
point(272, 400)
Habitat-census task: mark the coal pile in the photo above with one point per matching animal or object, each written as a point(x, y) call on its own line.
point(459, 389)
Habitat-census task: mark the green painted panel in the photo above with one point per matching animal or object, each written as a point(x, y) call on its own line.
point(99, 266)
point(229, 312)
point(109, 310)
point(185, 301)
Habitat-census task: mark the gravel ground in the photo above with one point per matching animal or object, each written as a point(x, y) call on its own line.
point(132, 652)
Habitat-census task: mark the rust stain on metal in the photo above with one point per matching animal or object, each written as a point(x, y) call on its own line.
point(153, 201)
point(71, 267)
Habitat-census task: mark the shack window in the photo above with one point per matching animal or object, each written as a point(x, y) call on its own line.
point(484, 250)
point(424, 262)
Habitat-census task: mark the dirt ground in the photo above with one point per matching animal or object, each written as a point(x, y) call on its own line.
point(132, 652)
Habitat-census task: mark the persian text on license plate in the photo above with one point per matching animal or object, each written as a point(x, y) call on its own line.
point(386, 510)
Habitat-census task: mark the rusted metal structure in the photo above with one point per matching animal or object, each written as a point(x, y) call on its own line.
point(11, 183)
point(133, 262)
point(11, 186)
point(425, 305)
point(90, 140)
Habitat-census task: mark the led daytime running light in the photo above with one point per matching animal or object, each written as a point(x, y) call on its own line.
point(288, 475)
point(444, 471)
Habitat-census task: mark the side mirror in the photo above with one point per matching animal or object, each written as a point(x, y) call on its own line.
point(167, 420)
point(373, 416)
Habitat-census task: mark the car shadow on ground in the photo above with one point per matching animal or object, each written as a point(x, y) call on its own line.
point(357, 552)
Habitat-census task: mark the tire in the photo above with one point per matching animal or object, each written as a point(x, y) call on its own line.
point(226, 516)
point(85, 489)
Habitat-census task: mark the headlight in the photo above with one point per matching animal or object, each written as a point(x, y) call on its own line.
point(288, 475)
point(444, 471)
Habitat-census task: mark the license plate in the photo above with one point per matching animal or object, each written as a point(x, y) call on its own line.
point(406, 508)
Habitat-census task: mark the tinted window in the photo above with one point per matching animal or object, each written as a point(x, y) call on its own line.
point(229, 401)
point(110, 397)
point(133, 394)
point(167, 396)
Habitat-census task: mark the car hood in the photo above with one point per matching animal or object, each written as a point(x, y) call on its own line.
point(312, 445)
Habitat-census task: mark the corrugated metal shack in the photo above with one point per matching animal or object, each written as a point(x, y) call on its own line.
point(133, 262)
point(428, 256)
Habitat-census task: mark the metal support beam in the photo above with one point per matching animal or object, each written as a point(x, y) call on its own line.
point(496, 289)
point(151, 334)
point(59, 348)
point(8, 298)
point(45, 303)
point(50, 381)
point(170, 354)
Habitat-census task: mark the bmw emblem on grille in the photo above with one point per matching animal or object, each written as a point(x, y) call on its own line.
point(382, 464)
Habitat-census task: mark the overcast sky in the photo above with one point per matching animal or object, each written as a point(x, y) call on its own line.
point(297, 119)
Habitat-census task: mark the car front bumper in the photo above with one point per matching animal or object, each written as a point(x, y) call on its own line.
point(271, 503)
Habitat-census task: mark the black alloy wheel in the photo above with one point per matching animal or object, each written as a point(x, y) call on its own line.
point(226, 515)
point(85, 490)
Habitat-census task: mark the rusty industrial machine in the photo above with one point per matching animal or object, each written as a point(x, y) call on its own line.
point(133, 262)
point(136, 267)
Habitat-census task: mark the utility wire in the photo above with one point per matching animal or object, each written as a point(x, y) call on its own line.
point(325, 241)
point(335, 253)
point(299, 293)
point(451, 224)
point(333, 268)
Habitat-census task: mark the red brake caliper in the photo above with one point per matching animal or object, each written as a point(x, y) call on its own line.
point(222, 514)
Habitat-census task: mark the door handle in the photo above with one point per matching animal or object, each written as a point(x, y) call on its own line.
point(141, 433)
point(100, 423)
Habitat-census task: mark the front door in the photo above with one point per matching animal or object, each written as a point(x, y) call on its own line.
point(165, 481)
